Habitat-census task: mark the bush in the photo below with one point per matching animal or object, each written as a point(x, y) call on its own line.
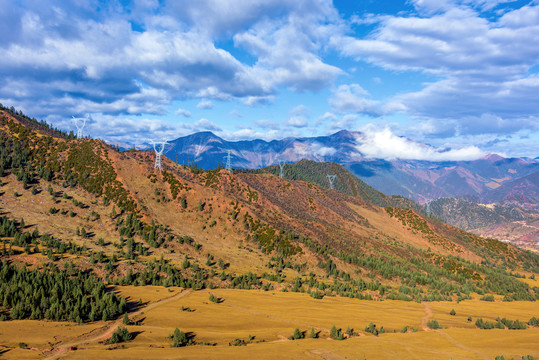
point(215, 299)
point(534, 322)
point(298, 334)
point(452, 313)
point(336, 333)
point(120, 335)
point(433, 324)
point(179, 338)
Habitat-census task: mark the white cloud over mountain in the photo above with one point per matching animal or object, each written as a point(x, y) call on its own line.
point(475, 65)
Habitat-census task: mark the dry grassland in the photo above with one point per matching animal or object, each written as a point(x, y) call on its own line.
point(271, 317)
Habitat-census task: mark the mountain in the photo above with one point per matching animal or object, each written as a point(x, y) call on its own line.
point(208, 150)
point(523, 192)
point(506, 222)
point(81, 205)
point(418, 180)
point(99, 247)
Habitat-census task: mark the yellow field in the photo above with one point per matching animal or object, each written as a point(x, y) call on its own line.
point(270, 318)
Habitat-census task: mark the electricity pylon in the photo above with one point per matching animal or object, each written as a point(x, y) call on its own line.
point(331, 179)
point(158, 152)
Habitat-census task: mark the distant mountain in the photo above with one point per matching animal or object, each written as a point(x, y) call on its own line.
point(208, 150)
point(523, 192)
point(345, 182)
point(505, 222)
point(418, 180)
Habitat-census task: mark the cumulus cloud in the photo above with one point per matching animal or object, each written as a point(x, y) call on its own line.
point(267, 124)
point(298, 118)
point(201, 125)
point(258, 100)
point(353, 98)
point(136, 57)
point(314, 150)
point(384, 144)
point(205, 104)
point(482, 64)
point(183, 112)
point(297, 121)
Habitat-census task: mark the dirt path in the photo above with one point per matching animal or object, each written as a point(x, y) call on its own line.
point(258, 313)
point(461, 345)
point(424, 322)
point(425, 319)
point(326, 354)
point(105, 332)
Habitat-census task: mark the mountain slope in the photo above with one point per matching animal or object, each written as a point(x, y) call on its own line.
point(419, 180)
point(113, 215)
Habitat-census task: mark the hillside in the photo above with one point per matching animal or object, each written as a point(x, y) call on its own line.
point(130, 211)
point(507, 222)
point(79, 209)
point(419, 180)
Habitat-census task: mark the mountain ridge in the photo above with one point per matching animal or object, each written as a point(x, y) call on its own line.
point(420, 180)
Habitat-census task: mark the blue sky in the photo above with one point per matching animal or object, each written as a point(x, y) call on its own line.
point(454, 74)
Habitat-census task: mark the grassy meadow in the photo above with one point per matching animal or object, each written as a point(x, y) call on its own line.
point(260, 324)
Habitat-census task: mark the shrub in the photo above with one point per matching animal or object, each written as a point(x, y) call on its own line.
point(453, 313)
point(298, 334)
point(336, 333)
point(433, 324)
point(179, 338)
point(120, 335)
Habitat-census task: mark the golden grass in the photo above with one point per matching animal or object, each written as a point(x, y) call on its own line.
point(271, 318)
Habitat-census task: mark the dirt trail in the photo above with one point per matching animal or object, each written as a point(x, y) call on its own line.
point(461, 345)
point(106, 331)
point(424, 322)
point(326, 354)
point(425, 319)
point(258, 313)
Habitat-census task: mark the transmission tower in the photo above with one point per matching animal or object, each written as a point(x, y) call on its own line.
point(331, 179)
point(159, 148)
point(281, 171)
point(228, 166)
point(79, 124)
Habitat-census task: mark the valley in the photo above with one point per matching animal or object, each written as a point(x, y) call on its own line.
point(91, 235)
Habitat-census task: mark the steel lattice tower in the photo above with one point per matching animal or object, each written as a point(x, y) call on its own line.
point(228, 166)
point(331, 179)
point(158, 153)
point(79, 124)
point(281, 166)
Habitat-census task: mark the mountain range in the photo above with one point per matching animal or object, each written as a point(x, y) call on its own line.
point(490, 178)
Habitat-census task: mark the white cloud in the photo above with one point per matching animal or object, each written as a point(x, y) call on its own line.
point(353, 98)
point(201, 125)
point(267, 124)
point(481, 64)
point(183, 112)
point(94, 55)
point(383, 144)
point(313, 150)
point(297, 121)
point(258, 100)
point(205, 104)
